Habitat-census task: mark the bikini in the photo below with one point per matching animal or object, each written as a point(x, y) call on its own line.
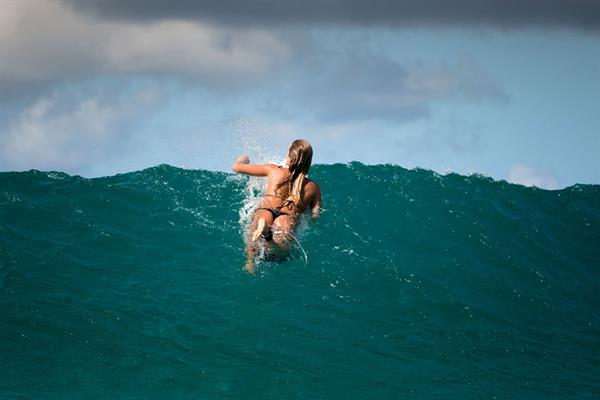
point(275, 212)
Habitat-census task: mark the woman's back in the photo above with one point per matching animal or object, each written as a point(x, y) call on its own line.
point(278, 192)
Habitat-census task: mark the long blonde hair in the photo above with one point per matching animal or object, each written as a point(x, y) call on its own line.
point(300, 154)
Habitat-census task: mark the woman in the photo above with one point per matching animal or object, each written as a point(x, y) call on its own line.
point(289, 193)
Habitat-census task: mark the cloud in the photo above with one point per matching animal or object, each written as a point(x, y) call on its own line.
point(524, 175)
point(46, 42)
point(338, 86)
point(71, 133)
point(580, 14)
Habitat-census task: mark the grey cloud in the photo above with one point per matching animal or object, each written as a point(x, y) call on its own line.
point(583, 14)
point(342, 86)
point(45, 43)
point(358, 88)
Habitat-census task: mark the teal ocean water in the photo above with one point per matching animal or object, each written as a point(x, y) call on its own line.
point(414, 286)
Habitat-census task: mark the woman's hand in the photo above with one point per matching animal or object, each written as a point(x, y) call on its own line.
point(243, 160)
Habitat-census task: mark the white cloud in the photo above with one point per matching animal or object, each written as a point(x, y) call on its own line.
point(192, 49)
point(526, 176)
point(72, 133)
point(47, 41)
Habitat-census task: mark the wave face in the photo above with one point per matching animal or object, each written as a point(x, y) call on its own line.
point(416, 285)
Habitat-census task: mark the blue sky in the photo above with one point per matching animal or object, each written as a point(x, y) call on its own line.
point(97, 88)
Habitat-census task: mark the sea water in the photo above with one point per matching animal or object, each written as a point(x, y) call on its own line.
point(414, 286)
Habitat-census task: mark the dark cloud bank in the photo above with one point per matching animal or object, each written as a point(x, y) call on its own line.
point(582, 14)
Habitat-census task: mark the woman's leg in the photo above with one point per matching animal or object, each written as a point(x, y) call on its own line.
point(262, 220)
point(256, 229)
point(283, 226)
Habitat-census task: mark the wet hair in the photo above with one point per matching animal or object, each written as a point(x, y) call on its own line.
point(300, 154)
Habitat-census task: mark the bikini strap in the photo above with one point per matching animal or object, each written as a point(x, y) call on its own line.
point(287, 204)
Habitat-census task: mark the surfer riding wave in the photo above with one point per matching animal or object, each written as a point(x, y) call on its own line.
point(289, 193)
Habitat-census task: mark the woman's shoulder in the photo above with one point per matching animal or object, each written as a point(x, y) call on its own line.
point(276, 169)
point(311, 182)
point(311, 185)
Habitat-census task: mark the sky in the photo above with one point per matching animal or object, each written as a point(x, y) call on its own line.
point(508, 89)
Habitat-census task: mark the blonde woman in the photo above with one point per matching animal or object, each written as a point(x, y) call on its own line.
point(289, 193)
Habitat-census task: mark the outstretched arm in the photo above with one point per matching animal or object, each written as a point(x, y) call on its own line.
point(242, 166)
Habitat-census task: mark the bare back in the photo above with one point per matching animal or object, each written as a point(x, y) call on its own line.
point(311, 193)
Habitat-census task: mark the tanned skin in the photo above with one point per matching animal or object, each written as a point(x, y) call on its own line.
point(282, 226)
